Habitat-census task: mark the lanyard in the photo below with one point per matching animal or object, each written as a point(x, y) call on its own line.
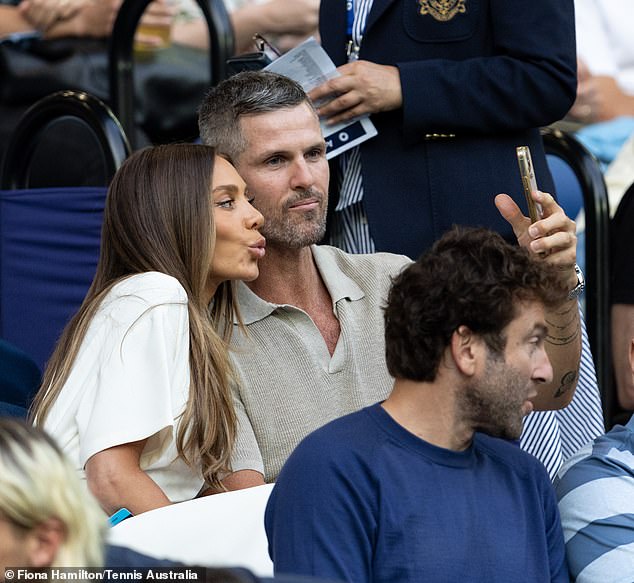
point(350, 18)
point(357, 14)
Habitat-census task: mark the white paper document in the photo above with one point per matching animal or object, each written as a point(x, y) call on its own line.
point(310, 66)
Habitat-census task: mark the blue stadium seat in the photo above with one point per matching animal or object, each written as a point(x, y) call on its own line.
point(49, 247)
point(19, 380)
point(50, 228)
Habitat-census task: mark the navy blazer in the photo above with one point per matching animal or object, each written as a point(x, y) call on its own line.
point(491, 76)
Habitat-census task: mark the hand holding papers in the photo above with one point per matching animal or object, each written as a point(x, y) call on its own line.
point(310, 66)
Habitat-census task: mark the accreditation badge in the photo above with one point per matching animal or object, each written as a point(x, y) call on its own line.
point(442, 10)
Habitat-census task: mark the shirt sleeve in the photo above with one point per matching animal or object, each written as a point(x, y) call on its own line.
point(595, 496)
point(246, 452)
point(593, 42)
point(143, 380)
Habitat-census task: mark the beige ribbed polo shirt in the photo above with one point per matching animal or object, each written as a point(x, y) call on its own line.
point(290, 385)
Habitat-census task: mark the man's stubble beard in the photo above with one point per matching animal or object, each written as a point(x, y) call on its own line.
point(284, 229)
point(494, 403)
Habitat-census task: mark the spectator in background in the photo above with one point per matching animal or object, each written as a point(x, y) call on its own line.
point(137, 392)
point(68, 18)
point(596, 495)
point(605, 50)
point(285, 23)
point(453, 88)
point(420, 487)
point(605, 91)
point(58, 19)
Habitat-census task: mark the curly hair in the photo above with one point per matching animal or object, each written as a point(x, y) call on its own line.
point(470, 277)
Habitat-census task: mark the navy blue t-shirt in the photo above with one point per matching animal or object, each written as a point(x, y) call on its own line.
point(362, 499)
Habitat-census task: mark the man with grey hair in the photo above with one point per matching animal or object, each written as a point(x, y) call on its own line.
point(315, 349)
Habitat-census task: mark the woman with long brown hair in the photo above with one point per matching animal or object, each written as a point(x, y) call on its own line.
point(137, 392)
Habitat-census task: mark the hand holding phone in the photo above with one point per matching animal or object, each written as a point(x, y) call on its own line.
point(528, 182)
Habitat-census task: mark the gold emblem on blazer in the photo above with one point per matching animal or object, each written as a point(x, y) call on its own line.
point(442, 10)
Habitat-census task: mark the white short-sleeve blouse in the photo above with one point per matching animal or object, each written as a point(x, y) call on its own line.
point(130, 381)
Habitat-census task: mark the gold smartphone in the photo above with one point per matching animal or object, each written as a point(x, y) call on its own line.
point(528, 182)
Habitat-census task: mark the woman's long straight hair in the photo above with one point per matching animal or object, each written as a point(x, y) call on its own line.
point(159, 217)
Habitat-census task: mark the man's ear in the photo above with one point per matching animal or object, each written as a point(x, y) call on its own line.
point(466, 348)
point(44, 542)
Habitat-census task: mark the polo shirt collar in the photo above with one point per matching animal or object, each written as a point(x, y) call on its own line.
point(339, 285)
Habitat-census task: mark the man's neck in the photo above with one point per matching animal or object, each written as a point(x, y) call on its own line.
point(288, 276)
point(428, 410)
point(291, 277)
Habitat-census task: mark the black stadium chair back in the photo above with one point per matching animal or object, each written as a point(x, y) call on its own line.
point(69, 138)
point(221, 45)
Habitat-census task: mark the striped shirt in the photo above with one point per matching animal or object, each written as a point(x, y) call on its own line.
point(596, 501)
point(350, 230)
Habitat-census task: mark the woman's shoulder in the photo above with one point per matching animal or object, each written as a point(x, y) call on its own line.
point(152, 288)
point(139, 294)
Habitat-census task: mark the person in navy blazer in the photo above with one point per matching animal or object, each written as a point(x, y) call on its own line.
point(451, 100)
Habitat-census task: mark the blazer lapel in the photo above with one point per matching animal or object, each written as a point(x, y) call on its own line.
point(378, 8)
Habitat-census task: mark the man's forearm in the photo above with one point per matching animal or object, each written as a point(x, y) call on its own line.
point(12, 21)
point(563, 345)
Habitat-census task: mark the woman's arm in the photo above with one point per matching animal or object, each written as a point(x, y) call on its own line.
point(298, 19)
point(90, 19)
point(12, 21)
point(117, 481)
point(42, 14)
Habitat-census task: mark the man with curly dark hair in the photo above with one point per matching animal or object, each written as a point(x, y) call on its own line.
point(420, 486)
